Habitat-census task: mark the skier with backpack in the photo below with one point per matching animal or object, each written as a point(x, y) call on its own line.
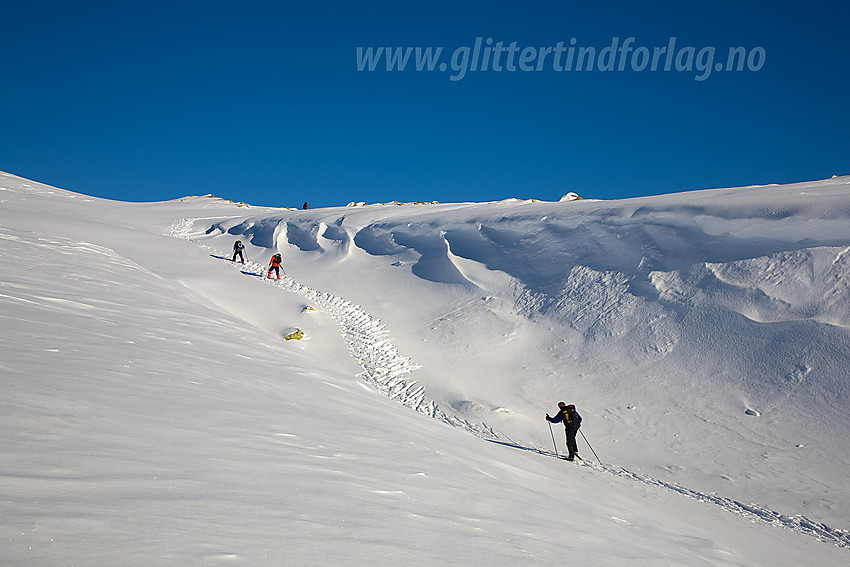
point(237, 251)
point(274, 264)
point(572, 421)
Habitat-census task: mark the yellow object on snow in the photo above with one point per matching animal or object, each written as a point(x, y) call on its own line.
point(298, 334)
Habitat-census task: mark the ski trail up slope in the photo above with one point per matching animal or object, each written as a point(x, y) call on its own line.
point(385, 368)
point(704, 336)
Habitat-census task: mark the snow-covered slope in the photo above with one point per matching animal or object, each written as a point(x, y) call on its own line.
point(154, 413)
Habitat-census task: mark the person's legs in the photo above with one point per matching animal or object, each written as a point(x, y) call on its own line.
point(572, 446)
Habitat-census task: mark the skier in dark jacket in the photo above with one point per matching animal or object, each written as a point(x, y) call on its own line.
point(274, 264)
point(572, 421)
point(237, 251)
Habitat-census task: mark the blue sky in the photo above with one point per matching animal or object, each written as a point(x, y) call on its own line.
point(263, 101)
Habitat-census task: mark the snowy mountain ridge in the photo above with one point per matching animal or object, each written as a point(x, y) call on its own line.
point(703, 337)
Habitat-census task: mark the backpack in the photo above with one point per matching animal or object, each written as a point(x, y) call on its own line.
point(238, 245)
point(277, 258)
point(571, 416)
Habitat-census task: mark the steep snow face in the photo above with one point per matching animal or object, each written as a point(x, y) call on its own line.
point(723, 313)
point(154, 412)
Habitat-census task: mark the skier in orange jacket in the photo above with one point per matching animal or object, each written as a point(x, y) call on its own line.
point(274, 264)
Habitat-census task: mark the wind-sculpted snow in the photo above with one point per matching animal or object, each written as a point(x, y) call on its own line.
point(542, 254)
point(386, 369)
point(376, 241)
point(800, 284)
point(725, 311)
point(601, 270)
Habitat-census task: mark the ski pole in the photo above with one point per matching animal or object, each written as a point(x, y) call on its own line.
point(553, 439)
point(588, 444)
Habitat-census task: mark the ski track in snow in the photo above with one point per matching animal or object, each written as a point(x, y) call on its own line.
point(753, 512)
point(384, 367)
point(387, 370)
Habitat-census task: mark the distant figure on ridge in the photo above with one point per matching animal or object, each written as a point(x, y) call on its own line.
point(572, 421)
point(274, 264)
point(237, 251)
point(305, 206)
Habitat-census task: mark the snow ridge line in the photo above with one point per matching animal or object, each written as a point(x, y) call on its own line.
point(384, 367)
